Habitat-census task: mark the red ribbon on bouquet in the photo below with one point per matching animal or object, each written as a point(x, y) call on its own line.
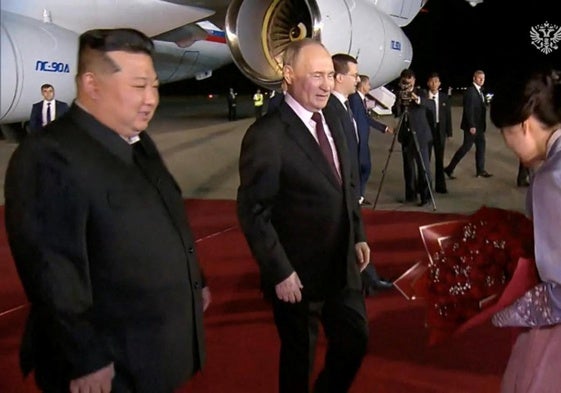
point(474, 268)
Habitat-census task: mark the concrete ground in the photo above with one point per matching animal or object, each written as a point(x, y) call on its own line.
point(201, 149)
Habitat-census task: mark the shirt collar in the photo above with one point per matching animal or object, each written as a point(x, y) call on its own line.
point(339, 96)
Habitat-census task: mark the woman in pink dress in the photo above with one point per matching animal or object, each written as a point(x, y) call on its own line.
point(527, 110)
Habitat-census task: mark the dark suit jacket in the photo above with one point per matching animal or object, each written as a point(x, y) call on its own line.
point(36, 117)
point(474, 110)
point(275, 101)
point(348, 128)
point(105, 255)
point(363, 123)
point(293, 211)
point(444, 116)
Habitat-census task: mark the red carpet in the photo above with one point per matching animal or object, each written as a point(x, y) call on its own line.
point(242, 347)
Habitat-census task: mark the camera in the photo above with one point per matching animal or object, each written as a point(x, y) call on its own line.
point(405, 92)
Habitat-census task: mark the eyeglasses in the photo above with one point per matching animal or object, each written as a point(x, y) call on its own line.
point(354, 76)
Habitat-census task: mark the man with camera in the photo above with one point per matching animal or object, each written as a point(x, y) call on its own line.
point(415, 137)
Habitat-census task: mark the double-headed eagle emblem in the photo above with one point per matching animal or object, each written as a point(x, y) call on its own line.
point(545, 37)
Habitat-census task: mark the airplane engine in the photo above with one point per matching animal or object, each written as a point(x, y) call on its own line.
point(35, 53)
point(258, 32)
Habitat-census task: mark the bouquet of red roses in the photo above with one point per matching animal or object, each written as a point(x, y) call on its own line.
point(475, 267)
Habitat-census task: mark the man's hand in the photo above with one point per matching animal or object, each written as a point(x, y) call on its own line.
point(472, 130)
point(389, 130)
point(362, 255)
point(207, 298)
point(96, 382)
point(289, 290)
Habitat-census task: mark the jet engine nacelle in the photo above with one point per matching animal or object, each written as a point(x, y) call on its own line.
point(258, 32)
point(35, 53)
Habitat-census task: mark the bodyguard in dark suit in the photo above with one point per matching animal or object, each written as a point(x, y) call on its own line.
point(277, 99)
point(414, 163)
point(474, 119)
point(364, 122)
point(43, 112)
point(298, 211)
point(98, 231)
point(440, 119)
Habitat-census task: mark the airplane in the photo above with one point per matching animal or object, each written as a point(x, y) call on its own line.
point(39, 39)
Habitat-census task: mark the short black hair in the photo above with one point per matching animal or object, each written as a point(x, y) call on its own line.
point(101, 41)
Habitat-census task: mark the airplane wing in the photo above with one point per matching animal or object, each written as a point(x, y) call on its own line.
point(39, 40)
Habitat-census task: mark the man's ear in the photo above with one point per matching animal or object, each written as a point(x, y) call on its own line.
point(89, 84)
point(288, 74)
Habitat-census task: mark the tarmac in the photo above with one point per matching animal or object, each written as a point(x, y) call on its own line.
point(201, 149)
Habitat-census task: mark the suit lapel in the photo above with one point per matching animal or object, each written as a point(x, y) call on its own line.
point(304, 139)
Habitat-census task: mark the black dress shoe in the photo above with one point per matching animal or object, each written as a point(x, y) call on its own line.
point(381, 284)
point(423, 203)
point(441, 190)
point(365, 202)
point(523, 183)
point(449, 173)
point(483, 174)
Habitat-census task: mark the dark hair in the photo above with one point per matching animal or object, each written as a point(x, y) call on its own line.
point(433, 75)
point(525, 93)
point(46, 86)
point(101, 41)
point(407, 73)
point(363, 79)
point(341, 62)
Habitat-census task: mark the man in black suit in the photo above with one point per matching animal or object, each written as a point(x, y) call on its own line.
point(474, 119)
point(97, 228)
point(47, 110)
point(277, 98)
point(298, 211)
point(232, 106)
point(344, 84)
point(440, 113)
point(345, 81)
point(414, 126)
point(364, 122)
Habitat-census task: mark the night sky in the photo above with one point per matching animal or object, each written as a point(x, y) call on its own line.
point(454, 38)
point(451, 37)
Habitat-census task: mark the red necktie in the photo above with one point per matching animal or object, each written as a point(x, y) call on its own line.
point(324, 144)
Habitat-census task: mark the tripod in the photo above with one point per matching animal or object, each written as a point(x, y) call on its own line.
point(404, 121)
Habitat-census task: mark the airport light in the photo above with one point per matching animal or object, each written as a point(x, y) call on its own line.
point(473, 3)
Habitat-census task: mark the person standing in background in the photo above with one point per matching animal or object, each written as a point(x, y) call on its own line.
point(97, 228)
point(364, 122)
point(297, 208)
point(258, 101)
point(473, 124)
point(440, 112)
point(43, 112)
point(344, 84)
point(232, 106)
point(415, 136)
point(526, 108)
point(277, 98)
